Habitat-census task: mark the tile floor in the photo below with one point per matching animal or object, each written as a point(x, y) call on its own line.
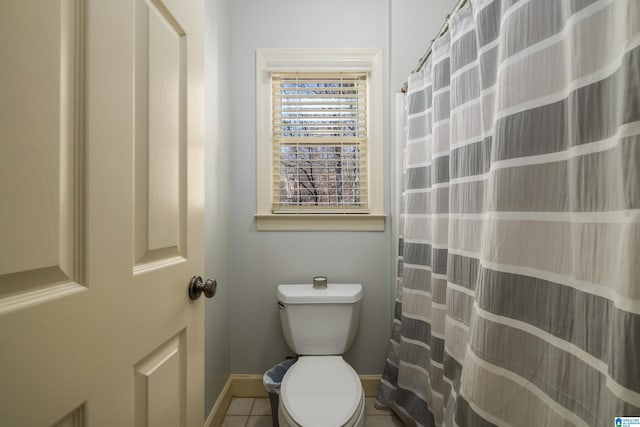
point(256, 412)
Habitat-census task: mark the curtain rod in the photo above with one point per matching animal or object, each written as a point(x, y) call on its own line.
point(443, 29)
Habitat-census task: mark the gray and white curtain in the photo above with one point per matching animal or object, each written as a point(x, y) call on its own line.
point(519, 269)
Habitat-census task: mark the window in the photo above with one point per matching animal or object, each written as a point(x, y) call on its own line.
point(319, 139)
point(319, 124)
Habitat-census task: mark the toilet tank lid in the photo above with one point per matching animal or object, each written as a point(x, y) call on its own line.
point(334, 293)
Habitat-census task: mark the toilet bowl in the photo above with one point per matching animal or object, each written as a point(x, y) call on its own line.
point(321, 391)
point(319, 324)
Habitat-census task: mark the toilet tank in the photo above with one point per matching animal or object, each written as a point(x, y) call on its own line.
point(319, 321)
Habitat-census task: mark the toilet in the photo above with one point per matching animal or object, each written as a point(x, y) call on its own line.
point(320, 389)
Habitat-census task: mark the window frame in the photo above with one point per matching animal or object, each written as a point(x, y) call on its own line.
point(319, 60)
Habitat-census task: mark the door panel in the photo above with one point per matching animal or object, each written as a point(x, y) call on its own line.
point(160, 134)
point(39, 180)
point(158, 377)
point(165, 107)
point(74, 419)
point(102, 225)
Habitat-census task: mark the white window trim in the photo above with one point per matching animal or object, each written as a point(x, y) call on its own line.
point(283, 60)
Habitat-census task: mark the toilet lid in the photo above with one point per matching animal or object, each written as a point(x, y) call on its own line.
point(321, 391)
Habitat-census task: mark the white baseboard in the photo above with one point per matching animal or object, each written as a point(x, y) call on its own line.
point(370, 384)
point(216, 416)
point(240, 385)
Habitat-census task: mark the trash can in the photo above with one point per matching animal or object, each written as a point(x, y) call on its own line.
point(272, 380)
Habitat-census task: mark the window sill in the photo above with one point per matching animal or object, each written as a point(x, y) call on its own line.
point(320, 222)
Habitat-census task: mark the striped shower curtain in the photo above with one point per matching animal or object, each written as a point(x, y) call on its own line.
point(519, 270)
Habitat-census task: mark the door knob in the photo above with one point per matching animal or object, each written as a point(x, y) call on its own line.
point(197, 287)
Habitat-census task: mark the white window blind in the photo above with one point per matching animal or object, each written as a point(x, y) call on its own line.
point(319, 123)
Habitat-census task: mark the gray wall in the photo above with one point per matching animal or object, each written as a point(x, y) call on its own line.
point(217, 188)
point(414, 23)
point(262, 260)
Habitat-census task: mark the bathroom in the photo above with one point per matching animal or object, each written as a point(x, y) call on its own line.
point(241, 323)
point(260, 260)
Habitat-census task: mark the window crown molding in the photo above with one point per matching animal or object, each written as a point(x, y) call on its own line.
point(344, 59)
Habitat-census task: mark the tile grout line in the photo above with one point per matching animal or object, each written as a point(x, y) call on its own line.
point(253, 402)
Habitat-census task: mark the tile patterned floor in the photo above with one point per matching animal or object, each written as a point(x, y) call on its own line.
point(250, 412)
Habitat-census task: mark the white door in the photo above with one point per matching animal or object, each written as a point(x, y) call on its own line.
point(101, 212)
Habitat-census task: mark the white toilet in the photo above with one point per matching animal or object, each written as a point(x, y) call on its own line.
point(320, 389)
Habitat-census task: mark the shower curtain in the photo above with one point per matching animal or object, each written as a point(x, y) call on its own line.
point(519, 245)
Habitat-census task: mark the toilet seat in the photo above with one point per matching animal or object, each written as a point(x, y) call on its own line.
point(322, 391)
